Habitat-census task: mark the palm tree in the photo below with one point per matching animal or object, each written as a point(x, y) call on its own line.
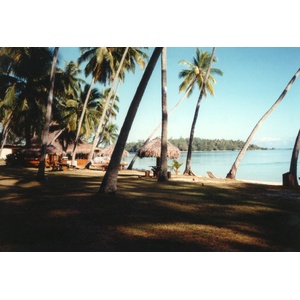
point(111, 113)
point(109, 182)
point(109, 134)
point(27, 72)
point(199, 72)
point(127, 63)
point(67, 82)
point(232, 173)
point(101, 66)
point(164, 128)
point(41, 170)
point(71, 110)
point(107, 102)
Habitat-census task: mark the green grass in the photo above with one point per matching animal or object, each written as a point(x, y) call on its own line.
point(66, 213)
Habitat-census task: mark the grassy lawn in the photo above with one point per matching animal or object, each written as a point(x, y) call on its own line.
point(66, 213)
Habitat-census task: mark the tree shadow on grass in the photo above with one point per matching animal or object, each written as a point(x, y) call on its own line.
point(66, 213)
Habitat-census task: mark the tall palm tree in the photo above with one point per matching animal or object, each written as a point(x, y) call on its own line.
point(127, 62)
point(232, 173)
point(164, 128)
point(41, 170)
point(109, 182)
point(107, 103)
point(199, 73)
point(101, 66)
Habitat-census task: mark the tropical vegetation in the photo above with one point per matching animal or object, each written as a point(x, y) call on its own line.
point(201, 145)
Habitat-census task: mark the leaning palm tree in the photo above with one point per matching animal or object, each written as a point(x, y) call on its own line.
point(41, 170)
point(109, 182)
point(199, 72)
point(232, 173)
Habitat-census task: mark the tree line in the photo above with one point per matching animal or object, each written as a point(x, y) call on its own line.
point(200, 145)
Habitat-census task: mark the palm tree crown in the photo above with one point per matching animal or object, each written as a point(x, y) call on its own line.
point(196, 73)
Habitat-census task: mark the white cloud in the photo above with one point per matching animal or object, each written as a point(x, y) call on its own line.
point(274, 142)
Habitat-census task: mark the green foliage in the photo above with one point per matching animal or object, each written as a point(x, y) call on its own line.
point(176, 165)
point(201, 145)
point(134, 146)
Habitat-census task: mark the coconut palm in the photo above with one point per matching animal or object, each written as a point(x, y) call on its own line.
point(109, 182)
point(200, 73)
point(232, 173)
point(41, 170)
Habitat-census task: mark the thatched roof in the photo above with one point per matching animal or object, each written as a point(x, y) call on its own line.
point(82, 147)
point(153, 149)
point(107, 151)
point(55, 147)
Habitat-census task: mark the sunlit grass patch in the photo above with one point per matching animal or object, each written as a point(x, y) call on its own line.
point(209, 237)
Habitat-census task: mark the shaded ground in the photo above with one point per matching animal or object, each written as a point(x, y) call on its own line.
point(66, 213)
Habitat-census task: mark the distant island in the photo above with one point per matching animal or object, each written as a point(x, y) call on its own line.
point(201, 145)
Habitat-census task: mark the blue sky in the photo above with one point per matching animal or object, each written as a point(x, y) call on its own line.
point(253, 79)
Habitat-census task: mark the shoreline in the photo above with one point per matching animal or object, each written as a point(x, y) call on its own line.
point(261, 182)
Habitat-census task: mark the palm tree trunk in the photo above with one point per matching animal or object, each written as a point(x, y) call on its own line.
point(164, 128)
point(294, 161)
point(100, 140)
point(81, 120)
point(188, 170)
point(232, 173)
point(4, 141)
point(109, 182)
point(57, 135)
point(4, 133)
point(99, 129)
point(158, 126)
point(41, 170)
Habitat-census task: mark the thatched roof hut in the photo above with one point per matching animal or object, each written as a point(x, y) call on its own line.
point(153, 149)
point(107, 151)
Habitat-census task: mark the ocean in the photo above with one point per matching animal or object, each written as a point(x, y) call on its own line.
point(256, 165)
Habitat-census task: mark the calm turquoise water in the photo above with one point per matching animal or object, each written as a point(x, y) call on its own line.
point(261, 165)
